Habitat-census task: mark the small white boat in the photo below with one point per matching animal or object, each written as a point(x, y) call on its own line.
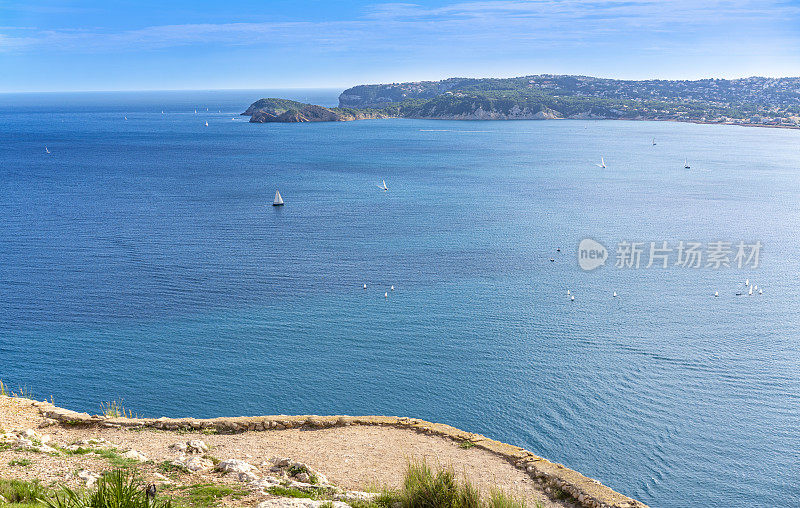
point(750, 293)
point(716, 294)
point(125, 118)
point(206, 124)
point(654, 141)
point(162, 111)
point(195, 111)
point(365, 286)
point(568, 293)
point(392, 288)
point(383, 186)
point(386, 294)
point(747, 282)
point(615, 294)
point(278, 201)
point(602, 163)
point(46, 150)
point(686, 164)
point(761, 291)
point(572, 298)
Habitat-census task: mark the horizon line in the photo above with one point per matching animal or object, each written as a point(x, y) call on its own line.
point(335, 87)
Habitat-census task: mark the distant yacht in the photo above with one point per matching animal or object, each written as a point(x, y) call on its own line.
point(654, 141)
point(206, 124)
point(365, 286)
point(747, 282)
point(750, 293)
point(278, 199)
point(572, 298)
point(761, 291)
point(615, 294)
point(162, 111)
point(716, 294)
point(126, 118)
point(602, 163)
point(686, 164)
point(383, 185)
point(386, 295)
point(46, 150)
point(392, 288)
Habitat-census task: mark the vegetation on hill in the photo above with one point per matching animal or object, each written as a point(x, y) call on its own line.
point(757, 101)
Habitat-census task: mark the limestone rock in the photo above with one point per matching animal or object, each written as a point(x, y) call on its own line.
point(134, 455)
point(198, 464)
point(235, 466)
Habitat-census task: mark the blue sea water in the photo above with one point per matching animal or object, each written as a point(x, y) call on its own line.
point(141, 260)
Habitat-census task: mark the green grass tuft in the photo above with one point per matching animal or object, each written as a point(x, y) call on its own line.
point(289, 492)
point(116, 489)
point(20, 462)
point(22, 492)
point(466, 445)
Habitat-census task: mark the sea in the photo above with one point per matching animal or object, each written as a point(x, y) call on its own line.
point(142, 261)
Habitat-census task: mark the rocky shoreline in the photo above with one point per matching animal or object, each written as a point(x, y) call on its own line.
point(188, 447)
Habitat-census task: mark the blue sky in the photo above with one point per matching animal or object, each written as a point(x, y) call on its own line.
point(48, 45)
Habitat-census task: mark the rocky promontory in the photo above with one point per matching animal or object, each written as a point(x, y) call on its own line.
point(286, 111)
point(277, 461)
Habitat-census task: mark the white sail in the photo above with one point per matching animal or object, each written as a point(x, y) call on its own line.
point(206, 124)
point(602, 163)
point(46, 150)
point(278, 199)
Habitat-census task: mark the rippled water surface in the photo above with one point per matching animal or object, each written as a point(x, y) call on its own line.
point(142, 260)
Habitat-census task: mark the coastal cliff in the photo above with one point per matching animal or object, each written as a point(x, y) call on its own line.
point(764, 102)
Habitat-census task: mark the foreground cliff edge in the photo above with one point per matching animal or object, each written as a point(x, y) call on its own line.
point(763, 102)
point(355, 437)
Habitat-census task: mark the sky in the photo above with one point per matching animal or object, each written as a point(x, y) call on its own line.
point(65, 45)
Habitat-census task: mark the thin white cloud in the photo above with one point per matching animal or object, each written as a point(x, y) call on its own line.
point(479, 24)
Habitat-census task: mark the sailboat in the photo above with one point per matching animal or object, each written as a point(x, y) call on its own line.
point(278, 199)
point(686, 164)
point(750, 293)
point(602, 163)
point(654, 141)
point(46, 150)
point(206, 124)
point(383, 186)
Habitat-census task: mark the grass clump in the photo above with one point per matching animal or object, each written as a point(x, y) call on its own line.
point(22, 492)
point(425, 488)
point(289, 492)
point(20, 462)
point(116, 489)
point(466, 445)
point(115, 409)
point(111, 454)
